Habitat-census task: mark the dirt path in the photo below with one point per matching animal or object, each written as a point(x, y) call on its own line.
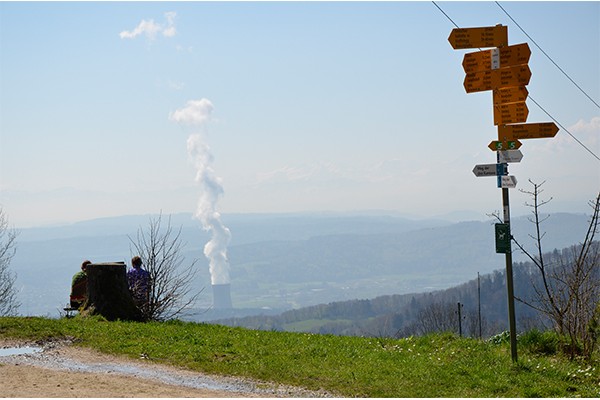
point(61, 370)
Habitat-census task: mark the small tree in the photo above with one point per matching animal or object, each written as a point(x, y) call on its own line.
point(569, 286)
point(437, 317)
point(170, 291)
point(8, 294)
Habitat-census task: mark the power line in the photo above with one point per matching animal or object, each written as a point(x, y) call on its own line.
point(442, 11)
point(549, 58)
point(564, 129)
point(531, 98)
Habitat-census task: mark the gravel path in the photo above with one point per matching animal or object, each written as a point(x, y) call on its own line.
point(57, 369)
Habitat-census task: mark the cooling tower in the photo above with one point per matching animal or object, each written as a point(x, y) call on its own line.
point(222, 296)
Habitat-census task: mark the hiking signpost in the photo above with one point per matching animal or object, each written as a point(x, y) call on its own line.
point(504, 71)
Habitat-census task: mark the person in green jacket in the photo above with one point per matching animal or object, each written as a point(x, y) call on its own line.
point(79, 286)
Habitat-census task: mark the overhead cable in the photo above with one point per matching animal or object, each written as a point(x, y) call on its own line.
point(549, 58)
point(532, 99)
point(564, 129)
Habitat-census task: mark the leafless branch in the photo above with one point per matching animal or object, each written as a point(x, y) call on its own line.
point(171, 290)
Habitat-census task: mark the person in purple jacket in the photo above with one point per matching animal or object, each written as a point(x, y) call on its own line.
point(138, 280)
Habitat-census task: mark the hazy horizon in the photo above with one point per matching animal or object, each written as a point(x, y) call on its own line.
point(297, 107)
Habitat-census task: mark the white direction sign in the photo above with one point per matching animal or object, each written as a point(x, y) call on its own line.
point(510, 156)
point(507, 181)
point(490, 169)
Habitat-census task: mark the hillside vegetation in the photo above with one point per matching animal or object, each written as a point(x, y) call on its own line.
point(403, 314)
point(440, 365)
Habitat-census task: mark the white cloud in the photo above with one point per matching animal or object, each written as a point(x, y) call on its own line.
point(195, 112)
point(586, 132)
point(175, 85)
point(170, 30)
point(585, 127)
point(150, 28)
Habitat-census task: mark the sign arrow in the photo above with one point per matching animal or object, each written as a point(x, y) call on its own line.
point(511, 113)
point(490, 169)
point(514, 94)
point(507, 56)
point(498, 145)
point(536, 130)
point(497, 78)
point(510, 156)
point(472, 38)
point(508, 181)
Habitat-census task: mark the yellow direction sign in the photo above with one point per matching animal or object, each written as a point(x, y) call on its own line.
point(514, 94)
point(500, 145)
point(507, 56)
point(511, 113)
point(536, 130)
point(472, 38)
point(497, 78)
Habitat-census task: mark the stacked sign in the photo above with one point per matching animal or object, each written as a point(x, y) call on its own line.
point(505, 72)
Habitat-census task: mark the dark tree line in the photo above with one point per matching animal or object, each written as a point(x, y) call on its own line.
point(422, 313)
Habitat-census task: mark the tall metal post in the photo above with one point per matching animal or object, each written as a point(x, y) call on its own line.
point(509, 282)
point(479, 303)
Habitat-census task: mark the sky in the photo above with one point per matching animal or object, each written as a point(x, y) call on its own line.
point(314, 106)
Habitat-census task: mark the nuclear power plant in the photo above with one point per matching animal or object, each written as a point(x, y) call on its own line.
point(222, 296)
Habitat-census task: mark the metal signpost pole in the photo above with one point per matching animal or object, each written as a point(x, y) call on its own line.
point(509, 281)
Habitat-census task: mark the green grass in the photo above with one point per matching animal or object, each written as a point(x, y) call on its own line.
point(432, 366)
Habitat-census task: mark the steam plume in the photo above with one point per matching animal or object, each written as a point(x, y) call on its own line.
point(197, 113)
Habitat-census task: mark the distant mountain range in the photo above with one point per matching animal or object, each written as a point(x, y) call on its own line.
point(286, 261)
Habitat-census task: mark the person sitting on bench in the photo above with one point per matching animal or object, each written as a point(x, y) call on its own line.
point(79, 286)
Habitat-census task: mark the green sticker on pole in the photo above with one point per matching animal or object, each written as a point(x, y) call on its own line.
point(502, 238)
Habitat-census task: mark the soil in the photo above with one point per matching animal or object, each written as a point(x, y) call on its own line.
point(59, 369)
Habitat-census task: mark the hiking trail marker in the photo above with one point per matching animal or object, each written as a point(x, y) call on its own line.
point(472, 38)
point(505, 72)
point(535, 130)
point(510, 156)
point(508, 181)
point(490, 169)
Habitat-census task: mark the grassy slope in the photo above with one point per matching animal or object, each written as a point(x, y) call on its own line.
point(434, 366)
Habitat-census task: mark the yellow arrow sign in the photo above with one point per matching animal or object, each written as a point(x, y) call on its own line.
point(507, 56)
point(472, 38)
point(497, 78)
point(511, 113)
point(514, 94)
point(536, 130)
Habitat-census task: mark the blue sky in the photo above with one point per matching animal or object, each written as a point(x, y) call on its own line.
point(316, 107)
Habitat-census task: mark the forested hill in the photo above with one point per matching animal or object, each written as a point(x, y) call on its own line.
point(415, 314)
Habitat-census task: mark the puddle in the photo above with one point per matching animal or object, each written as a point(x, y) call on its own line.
point(17, 351)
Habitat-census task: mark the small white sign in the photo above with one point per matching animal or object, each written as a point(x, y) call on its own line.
point(508, 181)
point(510, 156)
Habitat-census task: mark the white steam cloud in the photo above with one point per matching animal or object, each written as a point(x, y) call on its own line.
point(197, 113)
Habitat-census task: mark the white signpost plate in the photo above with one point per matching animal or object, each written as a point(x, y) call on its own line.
point(489, 169)
point(507, 181)
point(510, 156)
